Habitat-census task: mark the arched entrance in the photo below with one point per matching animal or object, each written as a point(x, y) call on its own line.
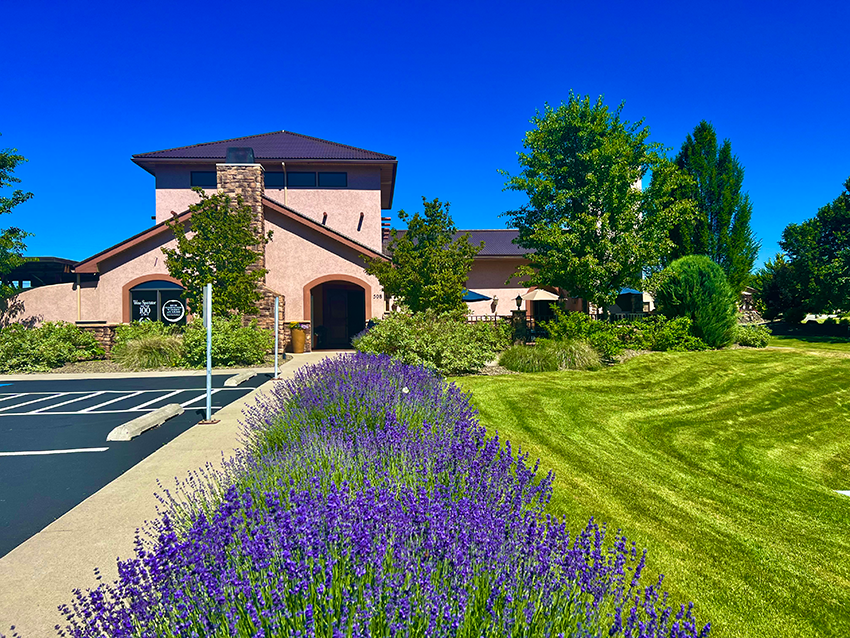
point(338, 310)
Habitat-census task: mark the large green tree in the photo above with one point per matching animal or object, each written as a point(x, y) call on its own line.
point(429, 266)
point(12, 243)
point(588, 226)
point(818, 251)
point(720, 229)
point(220, 247)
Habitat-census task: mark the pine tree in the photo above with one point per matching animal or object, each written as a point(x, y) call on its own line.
point(721, 227)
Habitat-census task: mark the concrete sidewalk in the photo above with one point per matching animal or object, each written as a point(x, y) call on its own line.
point(40, 574)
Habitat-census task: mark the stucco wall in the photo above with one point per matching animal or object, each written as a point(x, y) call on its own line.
point(488, 277)
point(57, 302)
point(342, 205)
point(298, 255)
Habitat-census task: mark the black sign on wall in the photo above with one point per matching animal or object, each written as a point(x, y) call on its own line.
point(158, 301)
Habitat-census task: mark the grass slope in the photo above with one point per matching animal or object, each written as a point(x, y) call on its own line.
point(832, 344)
point(722, 463)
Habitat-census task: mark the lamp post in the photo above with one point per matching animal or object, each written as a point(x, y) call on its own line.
point(519, 302)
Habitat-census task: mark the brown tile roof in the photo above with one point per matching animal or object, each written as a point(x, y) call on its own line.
point(497, 242)
point(278, 145)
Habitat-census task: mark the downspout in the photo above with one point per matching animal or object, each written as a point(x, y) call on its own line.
point(79, 299)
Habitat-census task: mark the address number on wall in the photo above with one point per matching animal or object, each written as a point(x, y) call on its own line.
point(377, 296)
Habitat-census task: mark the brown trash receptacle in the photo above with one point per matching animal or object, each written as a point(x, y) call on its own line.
point(299, 337)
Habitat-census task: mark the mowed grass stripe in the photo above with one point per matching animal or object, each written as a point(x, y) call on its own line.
point(723, 464)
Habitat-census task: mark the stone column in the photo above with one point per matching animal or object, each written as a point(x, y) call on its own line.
point(247, 180)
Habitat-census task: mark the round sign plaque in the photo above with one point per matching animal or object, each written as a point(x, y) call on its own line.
point(173, 310)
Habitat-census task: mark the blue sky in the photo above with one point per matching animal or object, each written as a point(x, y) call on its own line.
point(446, 87)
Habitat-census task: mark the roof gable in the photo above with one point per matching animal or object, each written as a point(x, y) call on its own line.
point(278, 145)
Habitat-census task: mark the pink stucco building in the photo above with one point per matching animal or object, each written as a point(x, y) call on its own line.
point(321, 200)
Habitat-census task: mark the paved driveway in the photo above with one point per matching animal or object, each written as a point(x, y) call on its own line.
point(53, 448)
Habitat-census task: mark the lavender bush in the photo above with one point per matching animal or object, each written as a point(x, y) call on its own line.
point(370, 502)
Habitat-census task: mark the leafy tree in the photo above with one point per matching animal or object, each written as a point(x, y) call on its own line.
point(777, 289)
point(721, 227)
point(221, 250)
point(696, 287)
point(11, 239)
point(818, 252)
point(429, 265)
point(588, 226)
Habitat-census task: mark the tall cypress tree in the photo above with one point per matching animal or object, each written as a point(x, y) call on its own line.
point(721, 227)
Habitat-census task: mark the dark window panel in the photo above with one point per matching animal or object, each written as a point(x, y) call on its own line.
point(274, 180)
point(333, 180)
point(307, 180)
point(204, 179)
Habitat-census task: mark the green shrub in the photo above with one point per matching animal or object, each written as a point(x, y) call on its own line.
point(150, 351)
point(232, 343)
point(661, 334)
point(752, 335)
point(499, 335)
point(51, 345)
point(548, 355)
point(794, 316)
point(445, 342)
point(696, 287)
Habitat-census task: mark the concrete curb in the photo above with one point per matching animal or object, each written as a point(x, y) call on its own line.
point(235, 380)
point(134, 428)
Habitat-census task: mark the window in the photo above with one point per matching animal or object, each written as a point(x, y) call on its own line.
point(333, 180)
point(157, 301)
point(304, 180)
point(274, 180)
point(204, 179)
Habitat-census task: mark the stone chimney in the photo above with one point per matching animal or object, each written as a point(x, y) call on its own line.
point(245, 179)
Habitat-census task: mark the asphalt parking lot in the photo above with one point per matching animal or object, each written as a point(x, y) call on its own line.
point(53, 448)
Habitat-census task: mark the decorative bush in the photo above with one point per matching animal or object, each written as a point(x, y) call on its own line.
point(445, 342)
point(548, 355)
point(498, 335)
point(51, 345)
point(696, 287)
point(794, 315)
point(752, 335)
point(150, 351)
point(370, 502)
point(232, 343)
point(611, 339)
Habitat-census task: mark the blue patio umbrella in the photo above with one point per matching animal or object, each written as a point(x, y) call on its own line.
point(471, 295)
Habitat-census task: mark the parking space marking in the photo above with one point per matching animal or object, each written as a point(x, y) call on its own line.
point(166, 396)
point(121, 398)
point(56, 405)
point(54, 395)
point(198, 398)
point(43, 452)
point(12, 396)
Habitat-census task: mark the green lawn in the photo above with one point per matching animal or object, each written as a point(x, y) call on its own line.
point(722, 463)
point(812, 343)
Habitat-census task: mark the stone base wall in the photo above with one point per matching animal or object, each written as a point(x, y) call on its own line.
point(265, 316)
point(104, 333)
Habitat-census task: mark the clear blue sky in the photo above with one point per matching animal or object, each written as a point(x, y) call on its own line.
point(446, 87)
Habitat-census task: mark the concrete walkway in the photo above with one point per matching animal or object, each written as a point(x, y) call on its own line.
point(40, 574)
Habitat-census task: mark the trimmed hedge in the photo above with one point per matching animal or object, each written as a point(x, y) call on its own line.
point(50, 345)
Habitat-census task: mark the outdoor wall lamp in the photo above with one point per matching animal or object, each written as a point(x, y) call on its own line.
point(519, 302)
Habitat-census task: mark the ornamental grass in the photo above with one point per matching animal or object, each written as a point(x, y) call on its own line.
point(369, 501)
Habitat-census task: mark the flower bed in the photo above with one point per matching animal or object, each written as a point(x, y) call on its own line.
point(370, 502)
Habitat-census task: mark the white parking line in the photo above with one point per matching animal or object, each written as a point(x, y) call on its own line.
point(12, 396)
point(199, 397)
point(42, 452)
point(56, 405)
point(55, 395)
point(121, 398)
point(170, 394)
